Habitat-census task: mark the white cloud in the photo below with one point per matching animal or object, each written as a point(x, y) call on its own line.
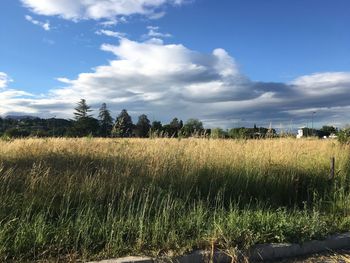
point(44, 25)
point(158, 15)
point(4, 80)
point(324, 83)
point(154, 33)
point(110, 22)
point(164, 81)
point(110, 33)
point(149, 76)
point(13, 100)
point(64, 80)
point(97, 9)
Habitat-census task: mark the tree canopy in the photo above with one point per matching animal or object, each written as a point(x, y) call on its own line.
point(143, 126)
point(123, 126)
point(106, 121)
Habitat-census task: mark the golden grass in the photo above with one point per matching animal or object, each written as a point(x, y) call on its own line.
point(113, 197)
point(310, 154)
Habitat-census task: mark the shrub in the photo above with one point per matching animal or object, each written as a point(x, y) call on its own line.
point(16, 133)
point(39, 133)
point(344, 136)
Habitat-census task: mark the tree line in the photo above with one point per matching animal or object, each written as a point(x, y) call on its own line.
point(84, 124)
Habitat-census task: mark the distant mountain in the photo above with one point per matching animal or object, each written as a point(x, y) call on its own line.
point(20, 117)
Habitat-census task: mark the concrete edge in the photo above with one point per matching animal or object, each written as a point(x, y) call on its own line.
point(277, 251)
point(126, 260)
point(260, 252)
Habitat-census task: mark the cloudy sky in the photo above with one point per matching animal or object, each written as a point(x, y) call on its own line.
point(229, 62)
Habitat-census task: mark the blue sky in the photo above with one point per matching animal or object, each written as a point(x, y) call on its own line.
point(225, 62)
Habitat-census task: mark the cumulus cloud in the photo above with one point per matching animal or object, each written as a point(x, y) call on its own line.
point(324, 83)
point(98, 9)
point(44, 25)
point(15, 101)
point(170, 80)
point(110, 33)
point(4, 80)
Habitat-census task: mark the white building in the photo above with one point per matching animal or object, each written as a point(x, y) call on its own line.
point(300, 132)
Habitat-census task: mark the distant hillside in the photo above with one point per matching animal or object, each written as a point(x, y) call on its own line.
point(21, 117)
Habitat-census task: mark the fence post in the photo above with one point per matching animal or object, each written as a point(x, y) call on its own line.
point(331, 177)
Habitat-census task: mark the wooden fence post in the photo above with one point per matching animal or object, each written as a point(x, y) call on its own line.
point(331, 177)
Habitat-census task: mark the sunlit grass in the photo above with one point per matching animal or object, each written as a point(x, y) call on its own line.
point(91, 198)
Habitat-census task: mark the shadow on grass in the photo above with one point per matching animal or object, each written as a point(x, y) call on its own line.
point(78, 204)
point(104, 179)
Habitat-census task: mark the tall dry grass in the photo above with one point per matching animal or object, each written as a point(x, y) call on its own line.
point(92, 198)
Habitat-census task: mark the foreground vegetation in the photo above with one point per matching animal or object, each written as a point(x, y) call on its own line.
point(95, 198)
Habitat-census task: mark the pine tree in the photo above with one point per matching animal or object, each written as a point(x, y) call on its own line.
point(143, 126)
point(85, 124)
point(106, 120)
point(82, 110)
point(123, 125)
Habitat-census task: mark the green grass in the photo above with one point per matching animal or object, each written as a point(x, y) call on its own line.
point(100, 198)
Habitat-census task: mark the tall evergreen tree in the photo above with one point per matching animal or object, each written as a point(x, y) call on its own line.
point(143, 126)
point(123, 125)
point(82, 110)
point(106, 120)
point(85, 124)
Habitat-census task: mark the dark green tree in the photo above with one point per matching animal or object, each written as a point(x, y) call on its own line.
point(123, 125)
point(156, 128)
point(181, 124)
point(16, 133)
point(143, 126)
point(85, 124)
point(328, 130)
point(59, 127)
point(2, 129)
point(218, 133)
point(82, 110)
point(175, 123)
point(106, 121)
point(192, 126)
point(344, 135)
point(174, 127)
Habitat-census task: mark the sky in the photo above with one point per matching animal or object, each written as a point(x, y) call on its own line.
point(228, 63)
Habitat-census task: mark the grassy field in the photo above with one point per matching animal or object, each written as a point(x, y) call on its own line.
point(99, 198)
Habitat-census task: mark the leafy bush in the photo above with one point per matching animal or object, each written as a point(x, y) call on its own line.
point(218, 133)
point(39, 133)
point(16, 133)
point(344, 136)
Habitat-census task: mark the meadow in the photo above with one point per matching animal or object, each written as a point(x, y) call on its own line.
point(94, 198)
